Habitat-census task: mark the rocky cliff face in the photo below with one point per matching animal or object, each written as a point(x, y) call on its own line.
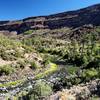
point(89, 15)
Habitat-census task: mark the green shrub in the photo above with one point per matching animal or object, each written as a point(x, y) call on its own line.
point(10, 57)
point(6, 69)
point(28, 32)
point(53, 68)
point(21, 63)
point(90, 74)
point(95, 63)
point(34, 65)
point(49, 58)
point(19, 54)
point(73, 81)
point(72, 70)
point(78, 60)
point(40, 89)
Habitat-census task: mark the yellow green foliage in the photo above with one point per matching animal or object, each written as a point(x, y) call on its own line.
point(52, 69)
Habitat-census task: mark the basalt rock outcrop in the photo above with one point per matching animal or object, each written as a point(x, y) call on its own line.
point(73, 19)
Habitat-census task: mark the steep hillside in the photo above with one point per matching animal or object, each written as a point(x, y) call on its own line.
point(89, 15)
point(54, 57)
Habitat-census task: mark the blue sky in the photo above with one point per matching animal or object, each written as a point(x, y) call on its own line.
point(19, 9)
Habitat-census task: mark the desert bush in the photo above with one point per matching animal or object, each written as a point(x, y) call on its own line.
point(52, 69)
point(42, 50)
point(40, 89)
point(89, 74)
point(77, 60)
point(72, 70)
point(49, 58)
point(95, 63)
point(28, 32)
point(21, 63)
point(6, 69)
point(11, 49)
point(33, 65)
point(5, 56)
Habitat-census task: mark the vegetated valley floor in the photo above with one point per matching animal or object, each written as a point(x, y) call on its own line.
point(51, 64)
point(35, 66)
